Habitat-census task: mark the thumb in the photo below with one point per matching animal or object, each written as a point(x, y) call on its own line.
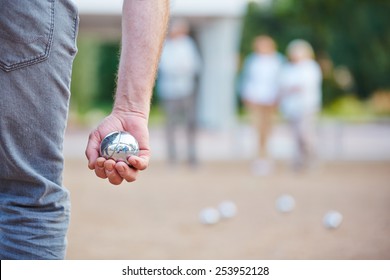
point(93, 147)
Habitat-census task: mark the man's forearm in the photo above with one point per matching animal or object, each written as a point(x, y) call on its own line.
point(144, 24)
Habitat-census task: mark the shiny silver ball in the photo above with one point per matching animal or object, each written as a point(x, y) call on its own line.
point(209, 216)
point(227, 209)
point(285, 203)
point(332, 219)
point(119, 146)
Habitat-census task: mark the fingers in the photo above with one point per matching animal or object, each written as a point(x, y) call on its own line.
point(111, 172)
point(100, 170)
point(116, 172)
point(92, 150)
point(140, 163)
point(126, 172)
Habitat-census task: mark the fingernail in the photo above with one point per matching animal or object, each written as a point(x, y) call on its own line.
point(109, 168)
point(121, 169)
point(100, 163)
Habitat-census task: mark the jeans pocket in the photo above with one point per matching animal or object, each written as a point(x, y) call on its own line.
point(26, 32)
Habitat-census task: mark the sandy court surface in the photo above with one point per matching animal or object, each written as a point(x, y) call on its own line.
point(157, 216)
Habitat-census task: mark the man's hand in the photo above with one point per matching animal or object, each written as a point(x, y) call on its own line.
point(144, 26)
point(116, 172)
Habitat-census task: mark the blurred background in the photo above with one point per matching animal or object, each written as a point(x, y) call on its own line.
point(218, 208)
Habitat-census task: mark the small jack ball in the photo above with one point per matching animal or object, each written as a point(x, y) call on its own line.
point(119, 146)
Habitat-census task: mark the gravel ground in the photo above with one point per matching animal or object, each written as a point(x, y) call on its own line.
point(157, 217)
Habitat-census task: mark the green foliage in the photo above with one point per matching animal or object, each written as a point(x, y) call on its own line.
point(349, 107)
point(361, 40)
point(84, 86)
point(107, 66)
point(330, 92)
point(94, 76)
point(352, 33)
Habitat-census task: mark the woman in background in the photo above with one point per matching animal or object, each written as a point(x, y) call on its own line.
point(300, 99)
point(259, 93)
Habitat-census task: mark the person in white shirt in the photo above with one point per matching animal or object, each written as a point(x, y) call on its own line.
point(300, 98)
point(179, 68)
point(259, 93)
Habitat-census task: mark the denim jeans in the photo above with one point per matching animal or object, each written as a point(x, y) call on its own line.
point(37, 48)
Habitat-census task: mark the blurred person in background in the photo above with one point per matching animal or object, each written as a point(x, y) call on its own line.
point(176, 87)
point(300, 99)
point(259, 88)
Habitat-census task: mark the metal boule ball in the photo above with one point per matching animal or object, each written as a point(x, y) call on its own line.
point(285, 203)
point(332, 219)
point(119, 146)
point(227, 209)
point(209, 216)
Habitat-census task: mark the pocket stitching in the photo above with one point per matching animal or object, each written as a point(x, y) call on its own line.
point(39, 58)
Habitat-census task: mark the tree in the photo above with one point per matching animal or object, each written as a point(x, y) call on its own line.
point(352, 33)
